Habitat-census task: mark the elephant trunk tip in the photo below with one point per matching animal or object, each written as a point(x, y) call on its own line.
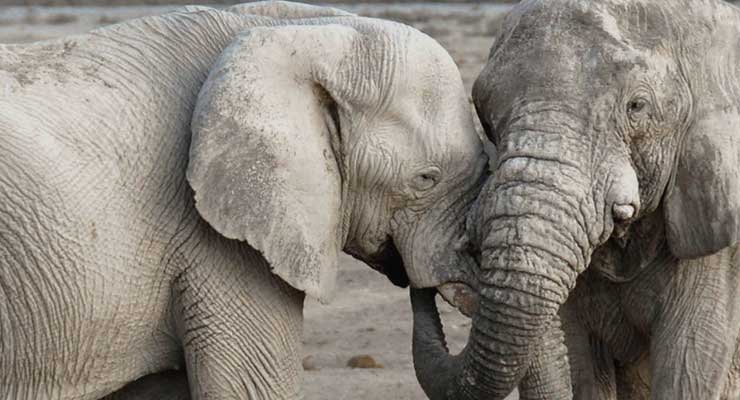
point(460, 296)
point(435, 369)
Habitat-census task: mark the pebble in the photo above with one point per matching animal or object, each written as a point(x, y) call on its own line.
point(363, 361)
point(309, 364)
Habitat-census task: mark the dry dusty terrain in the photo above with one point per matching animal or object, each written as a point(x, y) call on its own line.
point(369, 315)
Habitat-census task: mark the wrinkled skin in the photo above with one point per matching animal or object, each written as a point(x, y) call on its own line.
point(174, 185)
point(615, 188)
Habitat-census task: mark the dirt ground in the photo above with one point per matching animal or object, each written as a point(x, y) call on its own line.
point(369, 315)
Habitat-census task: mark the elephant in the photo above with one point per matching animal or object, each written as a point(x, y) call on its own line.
point(608, 231)
point(172, 188)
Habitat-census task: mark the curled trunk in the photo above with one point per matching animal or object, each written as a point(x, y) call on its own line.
point(537, 242)
point(435, 368)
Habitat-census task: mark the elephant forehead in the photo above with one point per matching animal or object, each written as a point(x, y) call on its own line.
point(615, 22)
point(561, 49)
point(438, 129)
point(429, 62)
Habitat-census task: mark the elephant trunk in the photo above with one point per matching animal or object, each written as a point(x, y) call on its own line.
point(535, 249)
point(435, 368)
point(537, 240)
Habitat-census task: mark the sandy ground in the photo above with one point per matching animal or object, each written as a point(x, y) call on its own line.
point(369, 315)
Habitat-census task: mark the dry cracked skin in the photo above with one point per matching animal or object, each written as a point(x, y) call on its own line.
point(369, 316)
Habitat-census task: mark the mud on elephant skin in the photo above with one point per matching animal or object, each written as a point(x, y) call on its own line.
point(617, 128)
point(178, 183)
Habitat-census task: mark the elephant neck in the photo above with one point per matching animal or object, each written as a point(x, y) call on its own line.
point(136, 84)
point(643, 248)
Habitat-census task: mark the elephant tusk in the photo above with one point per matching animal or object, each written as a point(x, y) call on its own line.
point(623, 212)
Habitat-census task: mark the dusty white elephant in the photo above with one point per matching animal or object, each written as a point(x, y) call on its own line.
point(171, 186)
point(609, 229)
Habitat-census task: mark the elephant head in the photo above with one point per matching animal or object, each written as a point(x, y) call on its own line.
point(356, 136)
point(604, 113)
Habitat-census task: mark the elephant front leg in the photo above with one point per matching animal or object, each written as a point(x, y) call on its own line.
point(689, 363)
point(633, 380)
point(692, 341)
point(241, 329)
point(591, 363)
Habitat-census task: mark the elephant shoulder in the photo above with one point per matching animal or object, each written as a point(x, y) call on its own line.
point(286, 10)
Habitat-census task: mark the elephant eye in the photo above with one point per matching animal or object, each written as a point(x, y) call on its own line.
point(427, 178)
point(636, 106)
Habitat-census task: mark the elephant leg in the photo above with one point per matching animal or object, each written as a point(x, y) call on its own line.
point(167, 385)
point(692, 341)
point(240, 326)
point(732, 387)
point(633, 380)
point(548, 377)
point(591, 363)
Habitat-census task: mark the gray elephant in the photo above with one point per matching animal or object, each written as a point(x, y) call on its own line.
point(616, 188)
point(172, 186)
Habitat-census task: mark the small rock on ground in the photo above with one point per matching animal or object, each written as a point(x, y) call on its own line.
point(363, 361)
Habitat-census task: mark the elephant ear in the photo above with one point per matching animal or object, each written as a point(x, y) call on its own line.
point(703, 205)
point(265, 142)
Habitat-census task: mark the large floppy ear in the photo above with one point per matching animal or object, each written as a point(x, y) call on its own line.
point(264, 158)
point(702, 205)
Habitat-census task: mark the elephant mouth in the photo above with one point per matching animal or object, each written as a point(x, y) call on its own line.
point(460, 296)
point(388, 261)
